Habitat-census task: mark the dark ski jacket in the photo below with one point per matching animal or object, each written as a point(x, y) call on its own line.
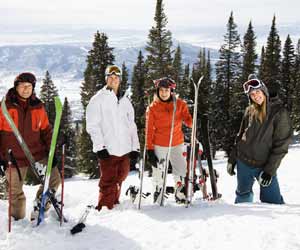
point(264, 144)
point(32, 123)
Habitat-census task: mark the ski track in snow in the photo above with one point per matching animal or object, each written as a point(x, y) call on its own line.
point(212, 225)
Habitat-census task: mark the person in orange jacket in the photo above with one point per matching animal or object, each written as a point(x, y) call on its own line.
point(158, 129)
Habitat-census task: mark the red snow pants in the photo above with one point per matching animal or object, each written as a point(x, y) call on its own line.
point(113, 171)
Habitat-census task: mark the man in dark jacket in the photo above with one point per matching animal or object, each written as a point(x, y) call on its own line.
point(30, 117)
point(261, 144)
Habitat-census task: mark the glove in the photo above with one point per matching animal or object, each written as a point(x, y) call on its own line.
point(264, 179)
point(152, 158)
point(134, 155)
point(230, 169)
point(54, 162)
point(2, 167)
point(103, 154)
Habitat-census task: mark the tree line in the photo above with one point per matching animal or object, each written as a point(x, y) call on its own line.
point(221, 98)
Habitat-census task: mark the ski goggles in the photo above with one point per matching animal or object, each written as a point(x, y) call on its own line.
point(165, 82)
point(252, 84)
point(113, 69)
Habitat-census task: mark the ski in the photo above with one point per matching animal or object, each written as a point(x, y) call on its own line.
point(36, 167)
point(46, 191)
point(81, 222)
point(193, 144)
point(212, 173)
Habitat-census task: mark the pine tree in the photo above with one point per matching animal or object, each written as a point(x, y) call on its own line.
point(124, 81)
point(205, 99)
point(99, 57)
point(185, 90)
point(272, 61)
point(47, 94)
point(296, 99)
point(159, 60)
point(228, 88)
point(177, 68)
point(249, 58)
point(287, 78)
point(248, 53)
point(139, 99)
point(262, 66)
point(67, 137)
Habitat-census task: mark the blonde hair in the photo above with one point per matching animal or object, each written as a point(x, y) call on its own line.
point(258, 112)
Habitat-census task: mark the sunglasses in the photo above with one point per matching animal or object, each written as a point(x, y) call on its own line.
point(253, 83)
point(165, 83)
point(113, 70)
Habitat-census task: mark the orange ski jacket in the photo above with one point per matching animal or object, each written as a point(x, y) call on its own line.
point(159, 119)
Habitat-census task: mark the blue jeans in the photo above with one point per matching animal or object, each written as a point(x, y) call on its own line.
point(246, 176)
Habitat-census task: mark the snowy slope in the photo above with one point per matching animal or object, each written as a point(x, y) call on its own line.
point(205, 225)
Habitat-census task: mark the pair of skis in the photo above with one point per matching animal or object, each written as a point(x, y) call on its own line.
point(190, 185)
point(207, 151)
point(35, 166)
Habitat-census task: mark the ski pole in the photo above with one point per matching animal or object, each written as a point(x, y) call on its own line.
point(166, 165)
point(143, 161)
point(10, 190)
point(62, 183)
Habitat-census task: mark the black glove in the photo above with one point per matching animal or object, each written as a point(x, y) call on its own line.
point(134, 155)
point(102, 154)
point(230, 168)
point(264, 179)
point(152, 158)
point(2, 167)
point(54, 162)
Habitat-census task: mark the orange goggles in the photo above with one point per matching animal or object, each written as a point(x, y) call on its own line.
point(110, 70)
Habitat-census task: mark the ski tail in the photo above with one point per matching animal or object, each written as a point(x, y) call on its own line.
point(81, 222)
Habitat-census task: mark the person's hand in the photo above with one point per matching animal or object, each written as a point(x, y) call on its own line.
point(134, 157)
point(152, 158)
point(230, 169)
point(264, 179)
point(102, 154)
point(2, 167)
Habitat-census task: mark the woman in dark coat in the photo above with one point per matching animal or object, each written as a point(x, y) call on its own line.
point(262, 142)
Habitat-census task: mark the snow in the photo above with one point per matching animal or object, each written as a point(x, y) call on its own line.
point(205, 225)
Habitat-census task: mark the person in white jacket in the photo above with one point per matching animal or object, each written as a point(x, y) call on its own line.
point(110, 123)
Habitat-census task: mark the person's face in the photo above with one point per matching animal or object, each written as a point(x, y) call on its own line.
point(113, 81)
point(164, 93)
point(257, 96)
point(24, 89)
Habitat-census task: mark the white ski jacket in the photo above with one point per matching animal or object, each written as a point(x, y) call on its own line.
point(110, 123)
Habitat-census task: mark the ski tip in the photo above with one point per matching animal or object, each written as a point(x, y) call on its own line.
point(77, 228)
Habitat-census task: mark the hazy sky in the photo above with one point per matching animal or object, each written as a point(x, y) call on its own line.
point(139, 13)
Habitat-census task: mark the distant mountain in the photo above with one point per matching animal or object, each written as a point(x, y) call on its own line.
point(70, 60)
